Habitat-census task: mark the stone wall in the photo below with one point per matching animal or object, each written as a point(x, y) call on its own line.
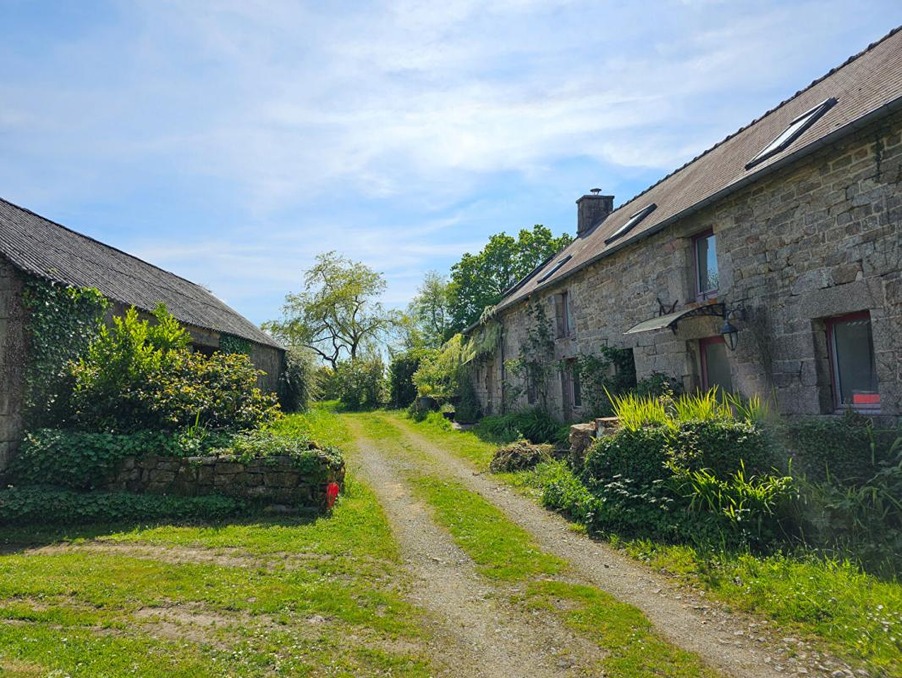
point(273, 480)
point(818, 239)
point(12, 361)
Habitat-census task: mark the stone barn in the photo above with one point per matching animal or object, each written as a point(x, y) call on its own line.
point(34, 247)
point(769, 265)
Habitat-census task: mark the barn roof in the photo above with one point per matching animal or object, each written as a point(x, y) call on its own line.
point(51, 251)
point(866, 87)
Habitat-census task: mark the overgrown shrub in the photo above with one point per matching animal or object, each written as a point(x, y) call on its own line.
point(563, 491)
point(519, 456)
point(849, 448)
point(139, 375)
point(861, 520)
point(402, 390)
point(35, 505)
point(723, 448)
point(686, 470)
point(361, 383)
point(297, 383)
point(535, 425)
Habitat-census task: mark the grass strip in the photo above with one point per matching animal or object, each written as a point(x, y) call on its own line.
point(500, 549)
point(634, 648)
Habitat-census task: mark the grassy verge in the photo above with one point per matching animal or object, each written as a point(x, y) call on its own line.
point(503, 551)
point(295, 596)
point(857, 616)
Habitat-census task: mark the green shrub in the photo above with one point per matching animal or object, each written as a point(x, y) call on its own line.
point(641, 455)
point(722, 447)
point(535, 425)
point(848, 449)
point(33, 506)
point(216, 393)
point(862, 521)
point(142, 376)
point(563, 491)
point(297, 383)
point(361, 383)
point(402, 390)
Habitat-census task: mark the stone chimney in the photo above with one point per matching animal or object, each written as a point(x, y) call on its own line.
point(592, 210)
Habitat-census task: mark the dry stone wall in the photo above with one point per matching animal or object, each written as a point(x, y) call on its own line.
point(273, 480)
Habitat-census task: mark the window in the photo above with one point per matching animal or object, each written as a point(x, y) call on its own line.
point(571, 389)
point(854, 376)
point(563, 324)
point(793, 132)
point(554, 269)
point(704, 247)
point(715, 364)
point(629, 225)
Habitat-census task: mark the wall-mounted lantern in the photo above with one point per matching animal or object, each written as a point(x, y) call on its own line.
point(728, 330)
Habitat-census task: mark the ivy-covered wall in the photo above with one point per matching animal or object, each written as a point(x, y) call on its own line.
point(12, 361)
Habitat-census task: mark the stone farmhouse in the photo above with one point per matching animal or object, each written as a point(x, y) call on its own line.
point(34, 247)
point(769, 265)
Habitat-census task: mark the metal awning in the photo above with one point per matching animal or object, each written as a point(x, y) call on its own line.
point(670, 320)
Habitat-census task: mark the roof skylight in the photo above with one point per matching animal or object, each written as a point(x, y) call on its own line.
point(628, 226)
point(554, 269)
point(793, 132)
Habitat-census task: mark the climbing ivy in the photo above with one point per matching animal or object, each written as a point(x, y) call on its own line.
point(229, 343)
point(535, 365)
point(610, 371)
point(62, 322)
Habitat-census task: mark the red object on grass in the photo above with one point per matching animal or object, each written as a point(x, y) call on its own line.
point(331, 494)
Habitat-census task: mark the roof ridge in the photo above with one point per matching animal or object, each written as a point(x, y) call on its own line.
point(104, 245)
point(720, 143)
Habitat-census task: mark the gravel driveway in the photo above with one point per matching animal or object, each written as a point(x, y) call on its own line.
point(478, 631)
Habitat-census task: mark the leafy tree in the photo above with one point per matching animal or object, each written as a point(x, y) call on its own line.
point(479, 280)
point(337, 315)
point(429, 313)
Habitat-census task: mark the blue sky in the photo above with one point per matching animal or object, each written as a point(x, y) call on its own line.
point(232, 141)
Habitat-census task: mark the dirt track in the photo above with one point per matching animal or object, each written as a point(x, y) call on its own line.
point(479, 632)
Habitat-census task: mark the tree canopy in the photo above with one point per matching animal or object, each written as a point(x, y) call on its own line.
point(479, 280)
point(338, 314)
point(427, 323)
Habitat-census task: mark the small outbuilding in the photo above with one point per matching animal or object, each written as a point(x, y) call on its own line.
point(32, 247)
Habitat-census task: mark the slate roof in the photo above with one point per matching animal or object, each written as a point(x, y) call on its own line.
point(867, 86)
point(48, 250)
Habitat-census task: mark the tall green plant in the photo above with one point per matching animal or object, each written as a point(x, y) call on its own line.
point(62, 322)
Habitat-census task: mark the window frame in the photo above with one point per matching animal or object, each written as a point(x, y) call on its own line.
point(563, 318)
point(700, 294)
point(793, 131)
point(832, 353)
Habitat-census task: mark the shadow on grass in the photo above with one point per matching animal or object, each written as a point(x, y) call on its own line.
point(18, 539)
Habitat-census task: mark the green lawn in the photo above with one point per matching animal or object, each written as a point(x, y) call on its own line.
point(263, 597)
